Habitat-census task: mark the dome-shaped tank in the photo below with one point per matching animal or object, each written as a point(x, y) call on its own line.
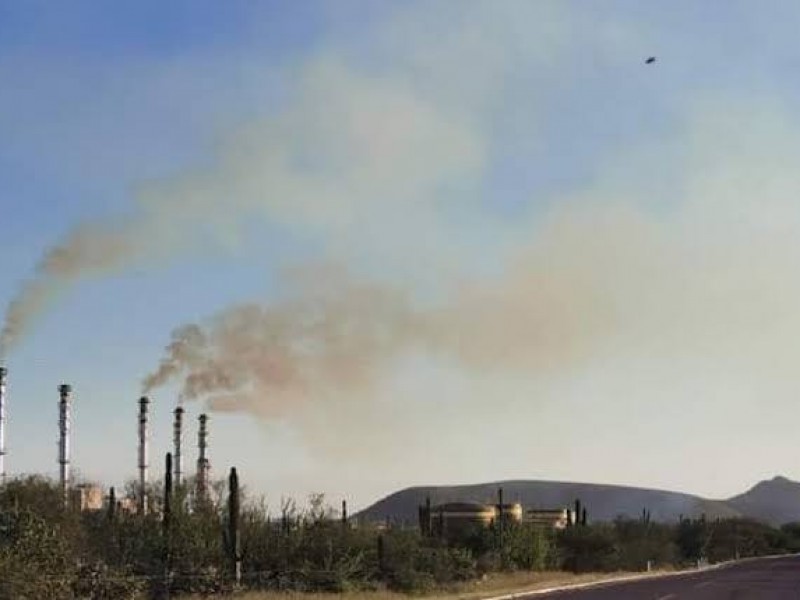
point(511, 512)
point(456, 518)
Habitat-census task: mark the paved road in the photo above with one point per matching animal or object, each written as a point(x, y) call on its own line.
point(761, 579)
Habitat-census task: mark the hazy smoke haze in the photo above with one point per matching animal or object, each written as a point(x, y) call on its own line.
point(661, 282)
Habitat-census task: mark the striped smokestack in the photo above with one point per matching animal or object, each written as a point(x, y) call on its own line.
point(3, 374)
point(177, 433)
point(143, 402)
point(202, 460)
point(64, 406)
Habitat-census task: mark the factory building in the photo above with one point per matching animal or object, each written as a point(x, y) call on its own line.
point(87, 497)
point(555, 518)
point(457, 519)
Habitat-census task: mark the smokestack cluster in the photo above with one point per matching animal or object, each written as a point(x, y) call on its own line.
point(176, 440)
point(64, 406)
point(143, 462)
point(64, 445)
point(3, 374)
point(177, 472)
point(203, 466)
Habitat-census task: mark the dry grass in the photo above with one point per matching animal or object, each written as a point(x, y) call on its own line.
point(494, 585)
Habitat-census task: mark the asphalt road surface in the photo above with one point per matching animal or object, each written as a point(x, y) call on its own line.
point(760, 579)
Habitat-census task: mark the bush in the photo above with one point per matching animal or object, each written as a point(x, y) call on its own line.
point(101, 582)
point(36, 560)
point(527, 547)
point(641, 542)
point(585, 549)
point(47, 552)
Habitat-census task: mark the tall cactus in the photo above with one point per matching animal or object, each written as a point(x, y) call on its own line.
point(234, 540)
point(425, 524)
point(381, 562)
point(577, 511)
point(167, 520)
point(112, 504)
point(428, 517)
point(500, 516)
point(344, 514)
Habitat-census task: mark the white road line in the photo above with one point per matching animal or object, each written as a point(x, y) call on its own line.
point(667, 597)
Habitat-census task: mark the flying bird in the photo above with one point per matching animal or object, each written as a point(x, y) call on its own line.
point(650, 60)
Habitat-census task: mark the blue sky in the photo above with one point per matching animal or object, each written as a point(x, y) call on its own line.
point(641, 217)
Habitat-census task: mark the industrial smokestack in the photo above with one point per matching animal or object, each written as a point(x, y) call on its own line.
point(143, 402)
point(65, 391)
point(3, 374)
point(177, 432)
point(202, 459)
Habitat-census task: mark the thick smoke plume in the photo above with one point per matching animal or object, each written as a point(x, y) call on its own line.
point(90, 249)
point(346, 155)
point(268, 360)
point(350, 151)
point(335, 335)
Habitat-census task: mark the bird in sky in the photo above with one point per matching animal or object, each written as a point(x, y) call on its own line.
point(650, 60)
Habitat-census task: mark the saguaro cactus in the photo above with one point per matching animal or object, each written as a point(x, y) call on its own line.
point(112, 504)
point(167, 520)
point(425, 525)
point(577, 511)
point(381, 564)
point(344, 513)
point(501, 517)
point(234, 540)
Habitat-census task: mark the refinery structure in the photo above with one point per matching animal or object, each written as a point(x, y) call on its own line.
point(450, 519)
point(457, 519)
point(86, 496)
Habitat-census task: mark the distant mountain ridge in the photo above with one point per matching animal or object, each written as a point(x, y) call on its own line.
point(775, 501)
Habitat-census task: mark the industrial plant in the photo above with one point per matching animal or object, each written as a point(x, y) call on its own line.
point(453, 520)
point(448, 520)
point(87, 497)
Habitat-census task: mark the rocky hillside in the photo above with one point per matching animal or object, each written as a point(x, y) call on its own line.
point(775, 501)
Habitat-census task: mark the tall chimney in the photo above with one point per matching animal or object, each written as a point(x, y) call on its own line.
point(202, 459)
point(65, 391)
point(3, 374)
point(177, 433)
point(143, 402)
